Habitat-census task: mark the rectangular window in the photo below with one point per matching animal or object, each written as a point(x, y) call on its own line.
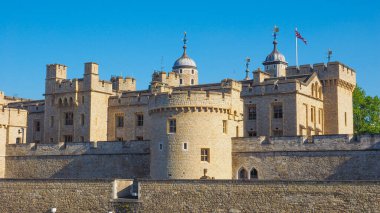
point(252, 134)
point(119, 120)
point(161, 146)
point(277, 133)
point(180, 81)
point(277, 111)
point(37, 126)
point(184, 146)
point(312, 114)
point(320, 116)
point(82, 99)
point(252, 113)
point(192, 81)
point(345, 118)
point(69, 118)
point(172, 126)
point(205, 154)
point(225, 126)
point(140, 119)
point(139, 138)
point(18, 140)
point(68, 138)
point(51, 121)
point(82, 119)
point(51, 140)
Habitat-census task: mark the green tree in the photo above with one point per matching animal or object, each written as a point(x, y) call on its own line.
point(366, 111)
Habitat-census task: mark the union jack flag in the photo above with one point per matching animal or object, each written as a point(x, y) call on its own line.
point(298, 35)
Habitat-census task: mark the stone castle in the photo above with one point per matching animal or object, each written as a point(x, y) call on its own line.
point(190, 126)
point(292, 127)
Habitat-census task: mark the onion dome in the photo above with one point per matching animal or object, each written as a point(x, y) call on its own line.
point(275, 56)
point(184, 61)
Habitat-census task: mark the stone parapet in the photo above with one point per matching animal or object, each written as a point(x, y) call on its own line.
point(302, 143)
point(216, 100)
point(91, 148)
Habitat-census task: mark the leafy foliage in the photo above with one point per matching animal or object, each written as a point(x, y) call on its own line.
point(366, 111)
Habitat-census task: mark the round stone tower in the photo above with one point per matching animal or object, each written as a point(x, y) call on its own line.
point(192, 134)
point(186, 68)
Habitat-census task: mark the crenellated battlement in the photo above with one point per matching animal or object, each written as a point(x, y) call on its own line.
point(56, 71)
point(168, 79)
point(330, 71)
point(191, 98)
point(68, 85)
point(129, 98)
point(123, 84)
point(83, 148)
point(302, 143)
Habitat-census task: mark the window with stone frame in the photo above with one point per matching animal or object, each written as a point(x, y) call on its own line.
point(69, 118)
point(140, 119)
point(277, 111)
point(205, 154)
point(277, 132)
point(254, 174)
point(252, 133)
point(172, 125)
point(252, 112)
point(312, 114)
point(119, 118)
point(225, 126)
point(82, 119)
point(37, 126)
point(68, 138)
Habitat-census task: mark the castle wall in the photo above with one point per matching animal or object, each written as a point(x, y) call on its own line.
point(35, 133)
point(65, 195)
point(265, 123)
point(129, 106)
point(78, 160)
point(337, 157)
point(254, 196)
point(190, 196)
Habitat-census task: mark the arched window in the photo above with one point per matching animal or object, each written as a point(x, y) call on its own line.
point(320, 92)
point(65, 102)
point(243, 174)
point(312, 90)
point(254, 174)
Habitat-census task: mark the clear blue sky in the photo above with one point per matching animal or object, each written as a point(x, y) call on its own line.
point(131, 37)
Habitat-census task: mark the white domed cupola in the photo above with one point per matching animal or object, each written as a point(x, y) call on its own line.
point(275, 63)
point(186, 68)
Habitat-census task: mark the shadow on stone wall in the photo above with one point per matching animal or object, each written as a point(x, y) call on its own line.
point(362, 165)
point(123, 160)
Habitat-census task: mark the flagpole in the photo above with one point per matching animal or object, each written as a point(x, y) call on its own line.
point(296, 50)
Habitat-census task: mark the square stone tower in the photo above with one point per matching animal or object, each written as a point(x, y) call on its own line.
point(338, 82)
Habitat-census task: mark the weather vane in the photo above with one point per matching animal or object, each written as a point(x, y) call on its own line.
point(247, 60)
point(275, 31)
point(184, 39)
point(329, 53)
